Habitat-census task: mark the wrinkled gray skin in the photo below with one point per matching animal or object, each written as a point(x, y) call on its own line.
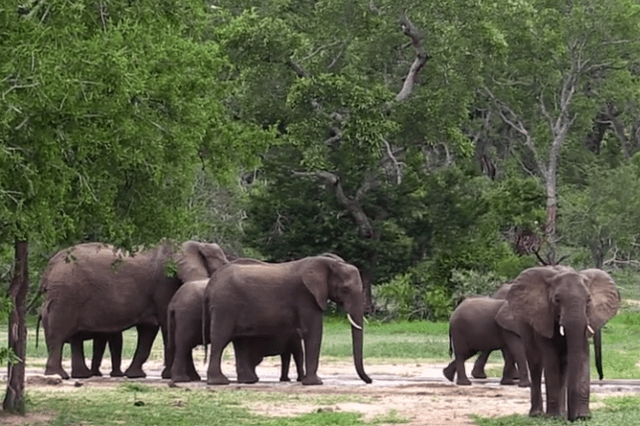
point(282, 299)
point(557, 308)
point(510, 371)
point(94, 288)
point(485, 324)
point(251, 350)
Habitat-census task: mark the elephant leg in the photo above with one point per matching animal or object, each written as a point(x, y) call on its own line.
point(191, 367)
point(515, 347)
point(462, 379)
point(146, 336)
point(55, 340)
point(298, 358)
point(478, 366)
point(285, 360)
point(312, 341)
point(247, 353)
point(507, 370)
point(221, 333)
point(166, 371)
point(79, 368)
point(99, 345)
point(450, 371)
point(115, 348)
point(534, 360)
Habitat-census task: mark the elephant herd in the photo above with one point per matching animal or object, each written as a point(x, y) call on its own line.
point(193, 294)
point(541, 322)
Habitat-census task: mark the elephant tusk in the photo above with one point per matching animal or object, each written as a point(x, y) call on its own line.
point(366, 321)
point(353, 323)
point(590, 329)
point(562, 330)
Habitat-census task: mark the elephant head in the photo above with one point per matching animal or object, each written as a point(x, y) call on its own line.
point(198, 261)
point(331, 278)
point(566, 307)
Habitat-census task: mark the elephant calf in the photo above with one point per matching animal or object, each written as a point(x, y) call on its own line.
point(485, 324)
point(251, 350)
point(185, 333)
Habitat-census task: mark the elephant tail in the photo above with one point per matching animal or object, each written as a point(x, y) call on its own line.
point(450, 344)
point(38, 328)
point(204, 326)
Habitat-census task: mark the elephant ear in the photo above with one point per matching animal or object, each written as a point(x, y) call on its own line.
point(605, 298)
point(315, 276)
point(198, 261)
point(506, 319)
point(529, 298)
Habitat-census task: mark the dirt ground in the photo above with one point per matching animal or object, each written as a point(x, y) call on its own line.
point(417, 392)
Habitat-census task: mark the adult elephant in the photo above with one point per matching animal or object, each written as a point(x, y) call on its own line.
point(93, 287)
point(251, 350)
point(185, 332)
point(559, 309)
point(282, 299)
point(485, 324)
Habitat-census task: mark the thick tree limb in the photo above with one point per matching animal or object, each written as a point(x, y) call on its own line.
point(409, 29)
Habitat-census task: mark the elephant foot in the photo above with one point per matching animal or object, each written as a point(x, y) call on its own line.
point(135, 373)
point(248, 379)
point(59, 371)
point(81, 374)
point(95, 373)
point(285, 379)
point(311, 380)
point(116, 373)
point(524, 384)
point(166, 373)
point(480, 374)
point(507, 382)
point(463, 381)
point(180, 378)
point(217, 380)
point(449, 372)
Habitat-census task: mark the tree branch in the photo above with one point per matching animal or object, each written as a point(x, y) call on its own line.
point(421, 57)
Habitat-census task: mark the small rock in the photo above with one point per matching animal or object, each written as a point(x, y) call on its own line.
point(138, 403)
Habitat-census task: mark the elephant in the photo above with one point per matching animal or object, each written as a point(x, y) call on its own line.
point(510, 371)
point(278, 299)
point(558, 309)
point(93, 287)
point(185, 332)
point(485, 324)
point(250, 351)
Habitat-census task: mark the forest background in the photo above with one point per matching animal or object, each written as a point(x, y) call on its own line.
point(442, 147)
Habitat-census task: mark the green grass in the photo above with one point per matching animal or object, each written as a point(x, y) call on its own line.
point(618, 410)
point(137, 404)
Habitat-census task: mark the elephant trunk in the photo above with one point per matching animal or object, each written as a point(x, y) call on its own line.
point(357, 315)
point(597, 347)
point(578, 381)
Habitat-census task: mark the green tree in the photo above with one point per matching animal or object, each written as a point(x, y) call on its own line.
point(108, 110)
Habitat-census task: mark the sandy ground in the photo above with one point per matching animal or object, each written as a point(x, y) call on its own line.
point(410, 391)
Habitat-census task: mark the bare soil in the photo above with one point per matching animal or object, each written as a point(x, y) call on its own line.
point(416, 392)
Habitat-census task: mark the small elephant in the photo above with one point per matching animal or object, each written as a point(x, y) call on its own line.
point(79, 368)
point(511, 371)
point(558, 310)
point(485, 324)
point(252, 349)
point(94, 287)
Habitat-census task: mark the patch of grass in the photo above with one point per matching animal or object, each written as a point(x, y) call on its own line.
point(155, 405)
point(618, 410)
point(392, 417)
point(398, 340)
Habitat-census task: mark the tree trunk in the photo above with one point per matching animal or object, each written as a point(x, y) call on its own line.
point(14, 398)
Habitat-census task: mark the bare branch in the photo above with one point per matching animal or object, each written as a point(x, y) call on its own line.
point(393, 159)
point(297, 68)
point(421, 57)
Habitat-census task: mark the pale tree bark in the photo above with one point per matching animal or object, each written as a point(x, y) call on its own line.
point(14, 397)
